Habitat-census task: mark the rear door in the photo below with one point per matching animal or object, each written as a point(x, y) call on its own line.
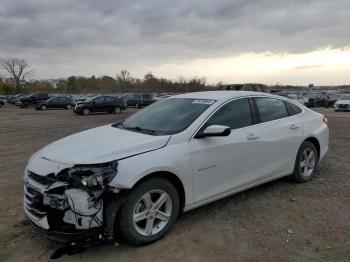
point(280, 136)
point(223, 164)
point(130, 99)
point(110, 103)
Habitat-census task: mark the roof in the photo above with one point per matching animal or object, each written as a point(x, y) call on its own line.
point(219, 95)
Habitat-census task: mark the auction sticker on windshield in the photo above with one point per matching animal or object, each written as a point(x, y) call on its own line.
point(204, 101)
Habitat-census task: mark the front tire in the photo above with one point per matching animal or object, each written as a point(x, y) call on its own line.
point(305, 163)
point(117, 110)
point(149, 212)
point(69, 107)
point(86, 111)
point(43, 107)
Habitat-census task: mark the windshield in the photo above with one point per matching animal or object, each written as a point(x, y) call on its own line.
point(169, 116)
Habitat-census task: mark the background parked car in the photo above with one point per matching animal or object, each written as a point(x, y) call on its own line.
point(343, 104)
point(138, 99)
point(12, 99)
point(3, 99)
point(159, 97)
point(65, 102)
point(298, 98)
point(32, 99)
point(108, 104)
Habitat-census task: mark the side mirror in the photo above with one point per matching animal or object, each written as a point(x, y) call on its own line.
point(215, 130)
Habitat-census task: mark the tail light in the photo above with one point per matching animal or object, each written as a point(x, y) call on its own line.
point(325, 120)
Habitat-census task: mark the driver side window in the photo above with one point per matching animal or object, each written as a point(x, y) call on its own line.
point(235, 114)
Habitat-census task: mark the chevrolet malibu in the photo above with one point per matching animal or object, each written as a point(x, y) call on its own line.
point(133, 178)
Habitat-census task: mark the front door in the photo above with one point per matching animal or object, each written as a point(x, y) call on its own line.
point(222, 164)
point(100, 104)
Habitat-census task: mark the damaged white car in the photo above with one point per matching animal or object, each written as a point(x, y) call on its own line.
point(133, 178)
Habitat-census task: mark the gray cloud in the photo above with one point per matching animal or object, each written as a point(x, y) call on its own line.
point(78, 36)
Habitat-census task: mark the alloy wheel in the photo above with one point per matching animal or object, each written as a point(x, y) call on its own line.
point(152, 212)
point(307, 162)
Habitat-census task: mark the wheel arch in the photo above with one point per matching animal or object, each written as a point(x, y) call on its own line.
point(316, 143)
point(172, 178)
point(115, 203)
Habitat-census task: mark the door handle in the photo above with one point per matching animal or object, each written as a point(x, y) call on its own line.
point(252, 136)
point(294, 126)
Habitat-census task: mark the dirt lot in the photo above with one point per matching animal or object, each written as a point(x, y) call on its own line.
point(279, 221)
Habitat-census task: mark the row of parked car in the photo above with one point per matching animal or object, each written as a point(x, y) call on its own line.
point(339, 101)
point(87, 103)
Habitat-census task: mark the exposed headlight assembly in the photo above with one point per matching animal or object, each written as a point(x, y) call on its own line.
point(98, 175)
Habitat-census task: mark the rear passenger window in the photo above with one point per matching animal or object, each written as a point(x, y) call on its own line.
point(235, 114)
point(292, 109)
point(270, 108)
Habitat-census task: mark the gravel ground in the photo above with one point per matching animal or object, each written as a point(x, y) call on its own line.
point(278, 221)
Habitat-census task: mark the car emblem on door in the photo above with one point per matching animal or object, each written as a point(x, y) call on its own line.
point(207, 168)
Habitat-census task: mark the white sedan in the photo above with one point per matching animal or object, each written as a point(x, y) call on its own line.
point(134, 177)
point(343, 104)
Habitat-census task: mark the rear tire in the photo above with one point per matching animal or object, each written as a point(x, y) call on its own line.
point(43, 107)
point(137, 105)
point(69, 107)
point(305, 163)
point(117, 110)
point(143, 219)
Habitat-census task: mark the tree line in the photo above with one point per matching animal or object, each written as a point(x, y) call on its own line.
point(18, 72)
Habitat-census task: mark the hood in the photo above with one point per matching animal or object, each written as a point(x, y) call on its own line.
point(101, 144)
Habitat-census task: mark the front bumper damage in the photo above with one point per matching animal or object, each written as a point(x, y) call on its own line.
point(69, 212)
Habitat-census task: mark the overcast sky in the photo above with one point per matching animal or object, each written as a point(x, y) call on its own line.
point(269, 41)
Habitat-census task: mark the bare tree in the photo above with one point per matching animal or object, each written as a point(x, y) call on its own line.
point(124, 78)
point(17, 68)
